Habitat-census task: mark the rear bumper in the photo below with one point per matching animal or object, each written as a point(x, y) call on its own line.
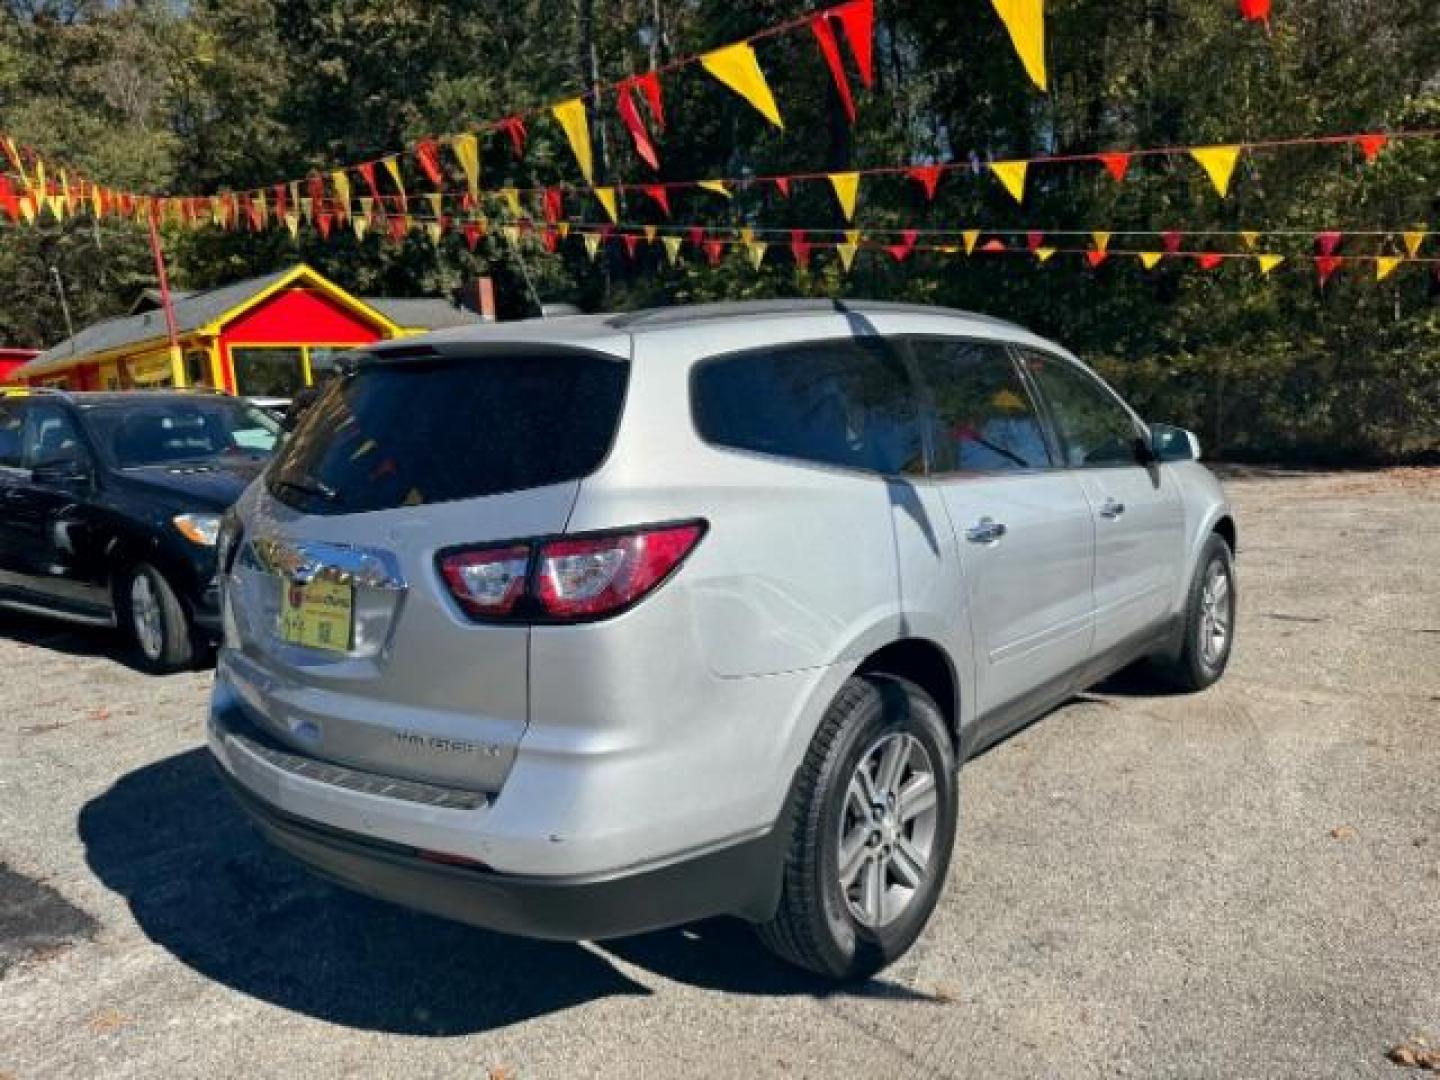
point(741, 879)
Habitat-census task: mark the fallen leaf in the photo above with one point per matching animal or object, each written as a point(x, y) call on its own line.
point(102, 713)
point(1342, 832)
point(108, 1019)
point(1415, 1055)
point(500, 1072)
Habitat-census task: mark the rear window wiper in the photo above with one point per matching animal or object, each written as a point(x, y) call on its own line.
point(312, 487)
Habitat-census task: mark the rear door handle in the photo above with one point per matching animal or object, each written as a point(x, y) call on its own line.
point(985, 531)
point(1112, 509)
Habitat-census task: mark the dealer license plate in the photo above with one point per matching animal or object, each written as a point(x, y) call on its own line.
point(318, 614)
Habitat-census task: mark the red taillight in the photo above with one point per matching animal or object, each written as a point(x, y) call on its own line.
point(487, 581)
point(569, 579)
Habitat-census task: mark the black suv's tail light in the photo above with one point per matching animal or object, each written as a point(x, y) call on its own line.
point(568, 578)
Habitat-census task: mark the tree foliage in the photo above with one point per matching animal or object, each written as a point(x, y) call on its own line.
point(220, 94)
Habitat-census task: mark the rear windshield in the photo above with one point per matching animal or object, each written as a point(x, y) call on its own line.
point(425, 431)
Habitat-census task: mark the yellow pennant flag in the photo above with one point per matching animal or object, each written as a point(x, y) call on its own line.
point(56, 205)
point(432, 229)
point(672, 248)
point(1413, 240)
point(1044, 253)
point(650, 233)
point(367, 207)
point(757, 249)
point(512, 202)
point(1150, 259)
point(361, 224)
point(294, 193)
point(1218, 163)
point(847, 190)
point(592, 244)
point(1012, 175)
point(847, 251)
point(342, 191)
point(1025, 22)
point(39, 184)
point(27, 208)
point(511, 234)
point(717, 186)
point(1269, 262)
point(606, 195)
point(437, 204)
point(736, 67)
point(1102, 240)
point(747, 236)
point(97, 201)
point(1250, 237)
point(392, 166)
point(1385, 265)
point(307, 207)
point(467, 152)
point(292, 222)
point(571, 115)
point(971, 238)
point(562, 228)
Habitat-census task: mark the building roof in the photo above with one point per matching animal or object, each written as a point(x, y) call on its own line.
point(422, 313)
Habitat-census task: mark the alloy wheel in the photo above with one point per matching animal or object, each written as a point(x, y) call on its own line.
point(145, 615)
point(1215, 613)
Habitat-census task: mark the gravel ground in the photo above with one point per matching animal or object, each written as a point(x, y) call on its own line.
point(1242, 883)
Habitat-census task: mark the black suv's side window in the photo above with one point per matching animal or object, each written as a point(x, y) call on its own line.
point(835, 403)
point(50, 435)
point(985, 420)
point(1094, 428)
point(12, 424)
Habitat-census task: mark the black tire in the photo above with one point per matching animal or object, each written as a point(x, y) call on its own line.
point(173, 649)
point(1195, 668)
point(814, 926)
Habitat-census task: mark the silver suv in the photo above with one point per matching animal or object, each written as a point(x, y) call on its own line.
point(585, 626)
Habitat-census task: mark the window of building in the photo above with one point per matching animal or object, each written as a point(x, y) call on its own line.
point(985, 420)
point(833, 403)
point(268, 372)
point(197, 368)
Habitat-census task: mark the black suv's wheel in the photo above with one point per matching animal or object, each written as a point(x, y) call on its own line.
point(1209, 620)
point(155, 620)
point(874, 817)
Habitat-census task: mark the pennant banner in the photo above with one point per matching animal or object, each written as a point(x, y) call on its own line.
point(736, 67)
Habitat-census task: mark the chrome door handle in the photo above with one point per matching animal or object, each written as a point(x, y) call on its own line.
point(1112, 509)
point(985, 531)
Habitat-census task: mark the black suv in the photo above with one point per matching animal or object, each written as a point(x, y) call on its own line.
point(110, 504)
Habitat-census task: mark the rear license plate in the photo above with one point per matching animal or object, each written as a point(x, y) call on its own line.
point(318, 614)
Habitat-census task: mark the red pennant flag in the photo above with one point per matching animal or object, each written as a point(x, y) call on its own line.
point(697, 235)
point(1371, 145)
point(316, 186)
point(554, 203)
point(1117, 165)
point(427, 156)
point(399, 226)
point(550, 239)
point(281, 204)
point(630, 117)
point(825, 35)
point(714, 249)
point(800, 246)
point(471, 229)
point(901, 251)
point(9, 202)
point(782, 185)
point(367, 170)
point(661, 196)
point(1209, 260)
point(514, 126)
point(857, 19)
point(1095, 258)
point(1325, 265)
point(1327, 242)
point(993, 245)
point(927, 176)
point(649, 85)
point(323, 222)
point(632, 241)
point(1255, 11)
point(1170, 240)
point(1034, 239)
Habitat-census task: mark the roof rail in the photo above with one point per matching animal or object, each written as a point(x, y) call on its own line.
point(681, 314)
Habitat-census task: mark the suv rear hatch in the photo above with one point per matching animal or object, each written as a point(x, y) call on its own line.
point(343, 637)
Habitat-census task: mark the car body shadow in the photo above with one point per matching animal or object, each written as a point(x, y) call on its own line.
point(201, 883)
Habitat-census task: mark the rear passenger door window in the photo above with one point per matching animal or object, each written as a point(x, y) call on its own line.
point(1095, 430)
point(843, 403)
point(985, 419)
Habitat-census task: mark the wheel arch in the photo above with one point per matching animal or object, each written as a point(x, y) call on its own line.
point(928, 666)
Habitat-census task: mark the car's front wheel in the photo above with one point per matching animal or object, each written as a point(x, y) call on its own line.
point(156, 620)
point(874, 816)
point(1209, 620)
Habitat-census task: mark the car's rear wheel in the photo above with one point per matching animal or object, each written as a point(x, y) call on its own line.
point(156, 620)
point(1209, 631)
point(873, 819)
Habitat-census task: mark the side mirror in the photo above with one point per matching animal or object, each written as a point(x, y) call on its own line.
point(71, 473)
point(1170, 443)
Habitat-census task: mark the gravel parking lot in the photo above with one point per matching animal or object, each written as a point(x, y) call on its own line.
point(1242, 883)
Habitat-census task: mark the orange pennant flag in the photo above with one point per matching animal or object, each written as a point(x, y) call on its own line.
point(736, 67)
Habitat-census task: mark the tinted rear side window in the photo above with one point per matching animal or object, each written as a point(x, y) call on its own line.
point(413, 432)
point(835, 403)
point(985, 419)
